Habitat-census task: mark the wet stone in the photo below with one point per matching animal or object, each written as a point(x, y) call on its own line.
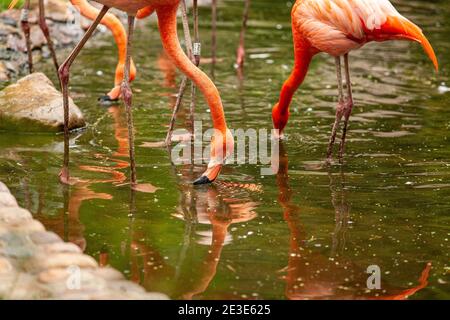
point(5, 266)
point(26, 288)
point(3, 187)
point(60, 247)
point(27, 226)
point(14, 215)
point(63, 260)
point(37, 264)
point(4, 74)
point(126, 286)
point(44, 237)
point(40, 109)
point(7, 200)
point(108, 274)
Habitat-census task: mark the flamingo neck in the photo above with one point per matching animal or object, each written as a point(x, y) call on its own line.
point(302, 61)
point(167, 18)
point(110, 21)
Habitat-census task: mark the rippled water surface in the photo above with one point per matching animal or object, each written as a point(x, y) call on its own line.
point(310, 231)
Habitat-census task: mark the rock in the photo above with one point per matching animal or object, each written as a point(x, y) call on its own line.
point(45, 238)
point(15, 43)
point(14, 215)
point(7, 281)
point(58, 10)
point(3, 72)
point(26, 226)
point(61, 247)
point(37, 38)
point(3, 187)
point(7, 200)
point(53, 275)
point(108, 274)
point(43, 261)
point(26, 288)
point(33, 104)
point(126, 287)
point(5, 266)
point(37, 264)
point(5, 30)
point(155, 296)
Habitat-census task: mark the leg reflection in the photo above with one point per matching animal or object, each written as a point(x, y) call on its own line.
point(311, 273)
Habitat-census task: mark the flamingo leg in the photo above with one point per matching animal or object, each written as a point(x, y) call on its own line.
point(213, 38)
point(241, 49)
point(44, 27)
point(348, 107)
point(127, 95)
point(197, 56)
point(183, 85)
point(339, 110)
point(64, 75)
point(176, 109)
point(26, 31)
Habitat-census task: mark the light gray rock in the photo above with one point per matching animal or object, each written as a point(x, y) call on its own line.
point(37, 264)
point(26, 226)
point(5, 266)
point(4, 76)
point(60, 247)
point(33, 104)
point(3, 187)
point(45, 237)
point(7, 200)
point(14, 215)
point(42, 261)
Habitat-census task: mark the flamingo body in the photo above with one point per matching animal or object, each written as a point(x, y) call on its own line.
point(337, 27)
point(222, 142)
point(340, 26)
point(133, 6)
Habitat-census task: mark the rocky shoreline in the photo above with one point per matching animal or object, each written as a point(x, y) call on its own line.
point(64, 29)
point(37, 264)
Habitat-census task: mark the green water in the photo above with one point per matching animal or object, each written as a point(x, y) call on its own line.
point(311, 231)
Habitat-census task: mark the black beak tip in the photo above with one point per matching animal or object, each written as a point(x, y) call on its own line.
point(105, 100)
point(202, 181)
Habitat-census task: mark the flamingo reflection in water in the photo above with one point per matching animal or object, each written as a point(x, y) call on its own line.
point(219, 206)
point(69, 226)
point(313, 275)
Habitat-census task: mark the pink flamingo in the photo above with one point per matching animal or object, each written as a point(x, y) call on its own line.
point(90, 12)
point(222, 144)
point(338, 27)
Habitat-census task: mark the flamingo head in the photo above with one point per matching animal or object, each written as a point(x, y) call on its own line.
point(280, 119)
point(222, 146)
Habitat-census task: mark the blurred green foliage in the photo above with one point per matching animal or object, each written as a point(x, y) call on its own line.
point(5, 3)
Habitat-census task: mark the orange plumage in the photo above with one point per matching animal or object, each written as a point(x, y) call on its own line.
point(337, 27)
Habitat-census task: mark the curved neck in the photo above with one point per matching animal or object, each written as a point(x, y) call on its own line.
point(145, 12)
point(110, 21)
point(167, 18)
point(303, 58)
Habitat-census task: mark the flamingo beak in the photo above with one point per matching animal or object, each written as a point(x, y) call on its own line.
point(219, 147)
point(405, 29)
point(209, 176)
